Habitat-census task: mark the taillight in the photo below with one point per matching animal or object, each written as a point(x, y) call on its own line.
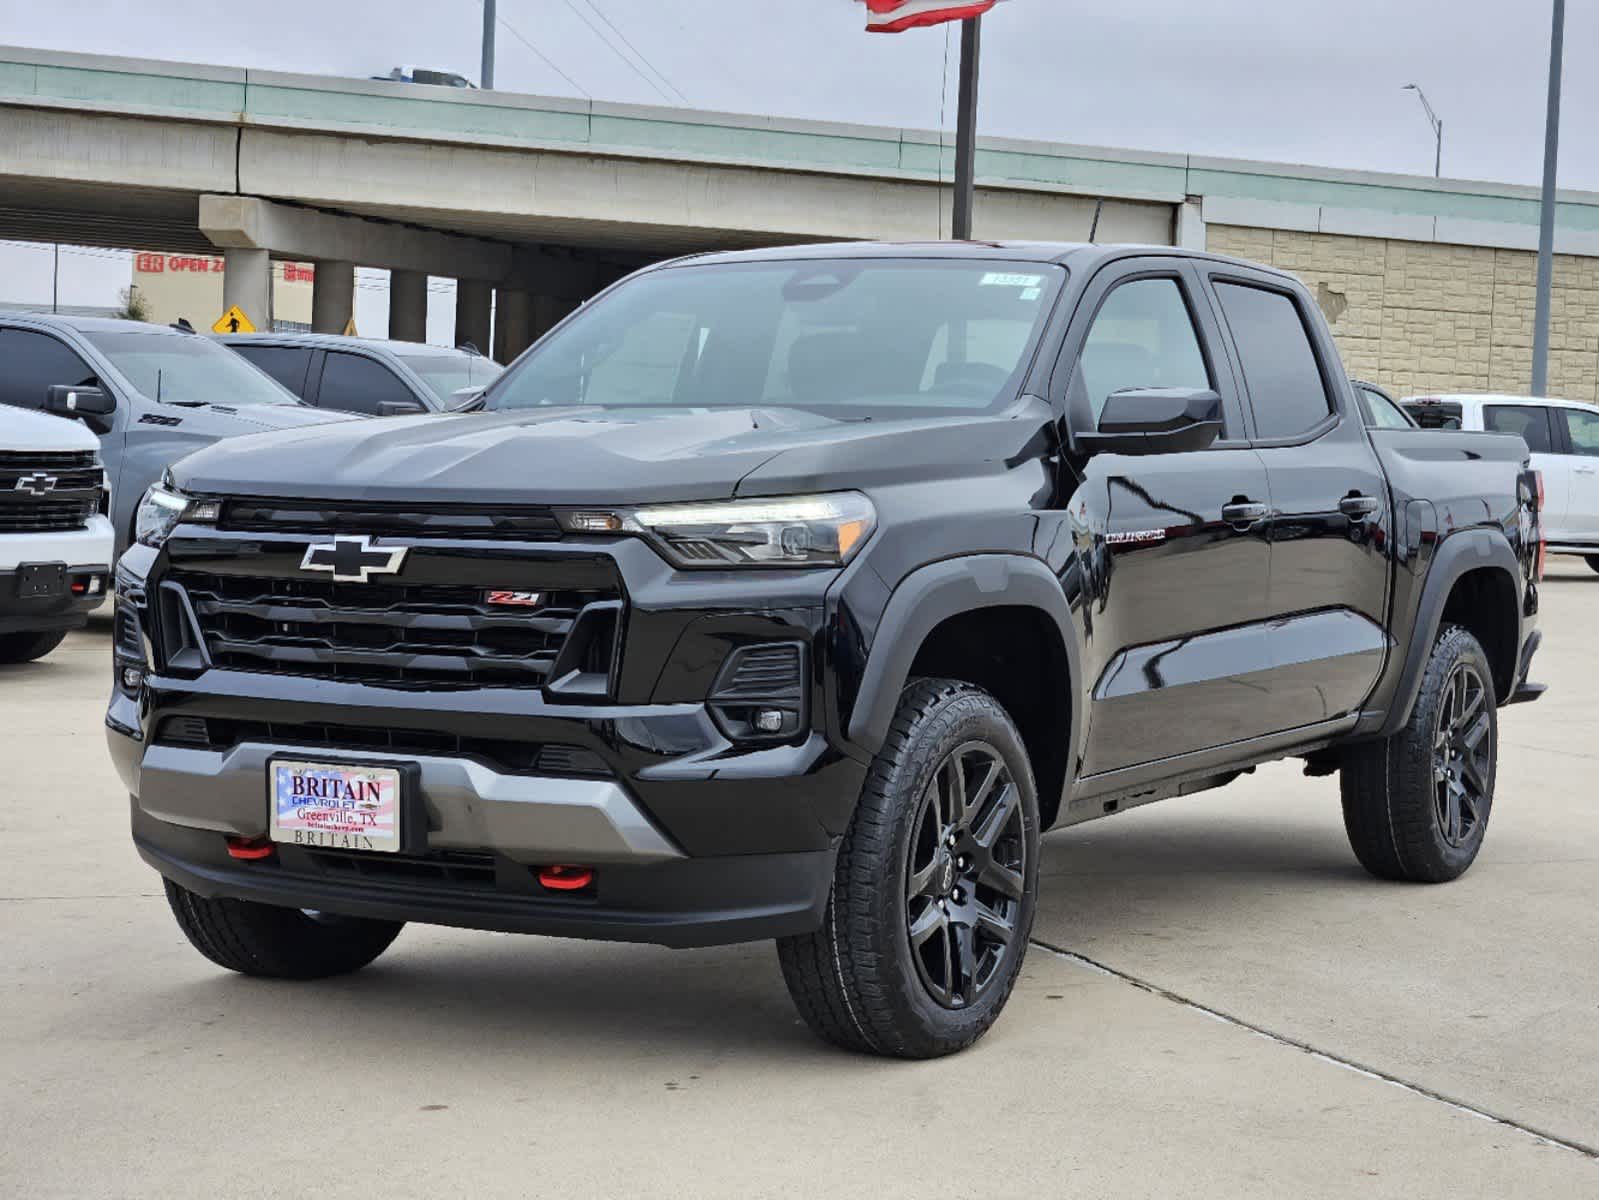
point(1537, 478)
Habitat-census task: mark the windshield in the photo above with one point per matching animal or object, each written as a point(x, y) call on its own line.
point(446, 374)
point(851, 338)
point(188, 369)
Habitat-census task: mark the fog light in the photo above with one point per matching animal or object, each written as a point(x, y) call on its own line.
point(132, 678)
point(768, 720)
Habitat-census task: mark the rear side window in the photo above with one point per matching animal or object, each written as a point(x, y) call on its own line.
point(1142, 337)
point(286, 364)
point(31, 363)
point(1531, 421)
point(351, 383)
point(1584, 429)
point(1286, 389)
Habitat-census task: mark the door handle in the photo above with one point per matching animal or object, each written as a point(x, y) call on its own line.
point(1243, 512)
point(1358, 506)
point(1584, 470)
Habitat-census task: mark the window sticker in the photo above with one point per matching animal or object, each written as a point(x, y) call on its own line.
point(1000, 279)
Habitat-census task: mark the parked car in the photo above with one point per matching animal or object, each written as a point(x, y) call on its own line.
point(362, 375)
point(151, 392)
point(55, 538)
point(1563, 436)
point(791, 594)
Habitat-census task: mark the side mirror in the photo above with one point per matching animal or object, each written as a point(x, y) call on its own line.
point(400, 408)
point(68, 401)
point(1155, 421)
point(466, 399)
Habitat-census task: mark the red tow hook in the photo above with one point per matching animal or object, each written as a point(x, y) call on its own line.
point(566, 878)
point(250, 849)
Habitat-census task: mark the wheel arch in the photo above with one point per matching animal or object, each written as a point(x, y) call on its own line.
point(975, 618)
point(1473, 583)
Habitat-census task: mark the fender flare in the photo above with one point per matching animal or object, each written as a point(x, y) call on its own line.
point(1468, 550)
point(932, 594)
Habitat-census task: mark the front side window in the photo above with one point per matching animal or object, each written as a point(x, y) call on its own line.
point(849, 338)
point(1529, 421)
point(352, 383)
point(181, 368)
point(1583, 427)
point(1142, 337)
point(33, 363)
point(1286, 389)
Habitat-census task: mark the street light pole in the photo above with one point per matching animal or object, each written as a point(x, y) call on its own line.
point(486, 75)
point(1437, 130)
point(1546, 225)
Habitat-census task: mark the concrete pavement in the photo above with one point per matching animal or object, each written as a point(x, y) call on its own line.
point(475, 1064)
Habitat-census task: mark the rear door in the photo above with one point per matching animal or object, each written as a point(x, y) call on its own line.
point(1536, 425)
point(1330, 522)
point(1581, 427)
point(1177, 635)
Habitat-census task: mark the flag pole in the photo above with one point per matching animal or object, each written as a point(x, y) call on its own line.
point(966, 130)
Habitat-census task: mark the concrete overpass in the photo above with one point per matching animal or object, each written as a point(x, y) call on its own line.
point(548, 199)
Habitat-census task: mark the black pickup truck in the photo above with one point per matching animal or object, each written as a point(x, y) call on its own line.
point(793, 594)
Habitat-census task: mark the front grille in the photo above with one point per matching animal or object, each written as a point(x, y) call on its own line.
point(507, 757)
point(48, 492)
point(521, 523)
point(392, 634)
point(453, 868)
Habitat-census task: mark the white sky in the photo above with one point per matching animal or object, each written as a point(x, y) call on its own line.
point(1283, 80)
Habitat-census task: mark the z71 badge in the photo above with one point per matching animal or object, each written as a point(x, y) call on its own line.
point(517, 599)
point(1136, 537)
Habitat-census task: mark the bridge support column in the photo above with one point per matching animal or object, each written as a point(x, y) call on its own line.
point(333, 297)
point(408, 306)
point(474, 302)
point(513, 323)
point(247, 282)
point(548, 312)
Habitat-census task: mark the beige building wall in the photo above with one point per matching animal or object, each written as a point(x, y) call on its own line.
point(1420, 317)
point(190, 286)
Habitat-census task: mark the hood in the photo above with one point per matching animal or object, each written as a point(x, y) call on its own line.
point(588, 456)
point(24, 430)
point(254, 418)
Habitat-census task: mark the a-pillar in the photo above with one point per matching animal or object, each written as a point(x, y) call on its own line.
point(408, 306)
point(333, 297)
point(513, 324)
point(247, 283)
point(474, 302)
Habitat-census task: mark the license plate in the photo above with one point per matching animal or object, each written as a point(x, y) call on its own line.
point(334, 806)
point(38, 580)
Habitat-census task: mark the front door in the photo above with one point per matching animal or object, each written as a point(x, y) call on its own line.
point(1582, 439)
point(1176, 625)
point(1536, 424)
point(1330, 525)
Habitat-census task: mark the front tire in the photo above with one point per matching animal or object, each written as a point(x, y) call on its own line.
point(277, 943)
point(935, 886)
point(1416, 805)
point(25, 647)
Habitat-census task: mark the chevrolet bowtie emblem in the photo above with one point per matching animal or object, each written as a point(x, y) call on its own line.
point(353, 560)
point(37, 484)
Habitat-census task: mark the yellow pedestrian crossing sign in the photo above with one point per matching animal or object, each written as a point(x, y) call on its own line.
point(233, 321)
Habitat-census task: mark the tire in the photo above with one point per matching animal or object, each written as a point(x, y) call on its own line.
point(1592, 560)
point(857, 981)
point(1416, 805)
point(277, 943)
point(25, 647)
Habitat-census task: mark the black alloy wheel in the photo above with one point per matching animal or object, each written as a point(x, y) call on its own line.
point(1462, 761)
point(964, 878)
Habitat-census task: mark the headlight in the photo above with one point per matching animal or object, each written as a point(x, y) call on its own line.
point(163, 507)
point(788, 531)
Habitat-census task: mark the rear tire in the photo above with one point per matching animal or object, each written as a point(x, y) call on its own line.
point(277, 943)
point(25, 647)
point(934, 889)
point(1592, 560)
point(1416, 805)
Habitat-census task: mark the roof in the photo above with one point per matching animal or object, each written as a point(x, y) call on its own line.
point(97, 324)
point(329, 341)
point(1498, 398)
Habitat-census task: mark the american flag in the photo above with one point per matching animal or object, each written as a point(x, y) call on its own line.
point(896, 16)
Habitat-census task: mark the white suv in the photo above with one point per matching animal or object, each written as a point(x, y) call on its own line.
point(55, 537)
point(1563, 436)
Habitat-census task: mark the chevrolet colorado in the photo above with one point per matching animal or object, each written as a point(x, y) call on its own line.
point(793, 594)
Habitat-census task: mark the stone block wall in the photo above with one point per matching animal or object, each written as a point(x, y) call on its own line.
point(1418, 317)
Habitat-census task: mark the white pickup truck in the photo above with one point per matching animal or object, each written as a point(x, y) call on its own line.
point(1563, 436)
point(55, 537)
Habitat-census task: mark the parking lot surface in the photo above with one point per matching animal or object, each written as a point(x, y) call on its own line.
point(1219, 1003)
